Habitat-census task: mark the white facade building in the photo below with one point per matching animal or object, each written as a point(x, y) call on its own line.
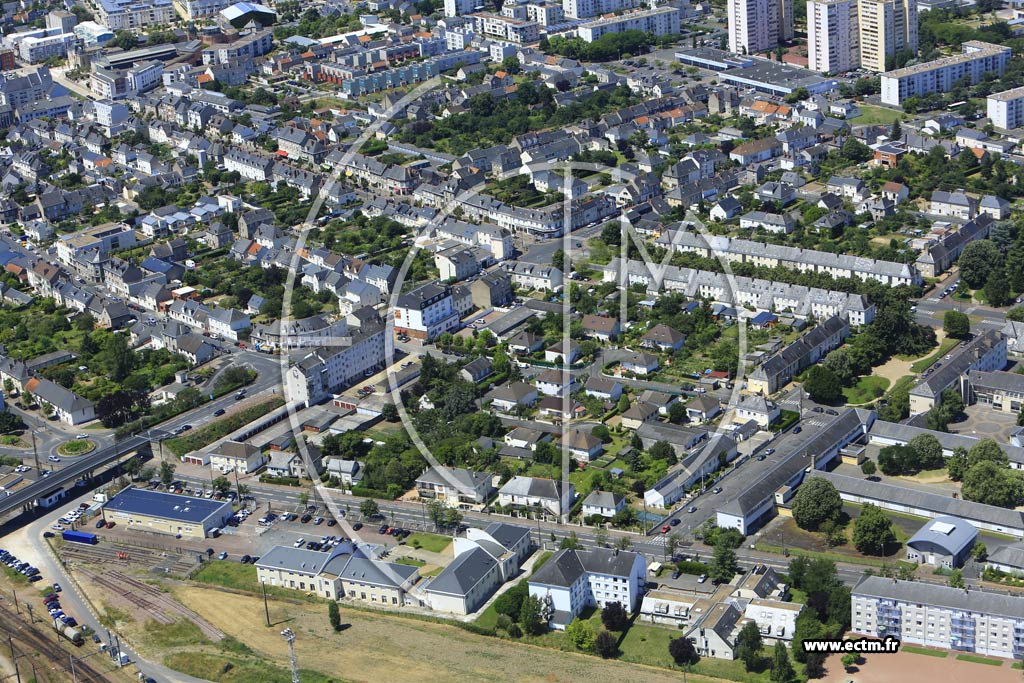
point(572, 580)
point(833, 36)
point(1006, 109)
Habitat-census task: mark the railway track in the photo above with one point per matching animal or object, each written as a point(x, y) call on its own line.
point(39, 638)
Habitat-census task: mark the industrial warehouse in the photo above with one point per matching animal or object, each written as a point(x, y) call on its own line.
point(166, 513)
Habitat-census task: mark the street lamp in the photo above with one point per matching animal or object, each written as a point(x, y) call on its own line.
point(289, 636)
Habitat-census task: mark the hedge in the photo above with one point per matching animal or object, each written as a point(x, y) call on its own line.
point(691, 567)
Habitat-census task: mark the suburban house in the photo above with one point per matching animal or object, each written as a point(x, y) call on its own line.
point(601, 327)
point(531, 493)
point(235, 456)
point(602, 503)
point(454, 486)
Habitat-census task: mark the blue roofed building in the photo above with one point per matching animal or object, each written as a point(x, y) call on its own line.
point(166, 513)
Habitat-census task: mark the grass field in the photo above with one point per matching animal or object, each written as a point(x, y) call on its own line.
point(980, 660)
point(871, 115)
point(923, 651)
point(241, 577)
point(378, 646)
point(867, 388)
point(429, 542)
point(926, 362)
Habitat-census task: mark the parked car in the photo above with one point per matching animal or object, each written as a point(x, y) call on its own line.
point(674, 522)
point(692, 509)
point(665, 529)
point(218, 412)
point(223, 555)
point(702, 578)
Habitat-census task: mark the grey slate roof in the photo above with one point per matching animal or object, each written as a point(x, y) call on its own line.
point(933, 535)
point(465, 572)
point(936, 595)
point(923, 500)
point(566, 566)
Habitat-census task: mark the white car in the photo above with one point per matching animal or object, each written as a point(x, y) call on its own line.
point(299, 543)
point(57, 527)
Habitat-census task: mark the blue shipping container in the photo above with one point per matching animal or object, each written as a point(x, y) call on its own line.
point(79, 537)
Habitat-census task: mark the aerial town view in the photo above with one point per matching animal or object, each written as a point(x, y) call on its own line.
point(511, 341)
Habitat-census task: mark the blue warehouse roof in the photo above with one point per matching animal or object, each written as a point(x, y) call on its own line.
point(166, 505)
point(949, 535)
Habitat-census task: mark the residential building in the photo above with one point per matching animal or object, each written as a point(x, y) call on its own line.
point(759, 409)
point(1006, 108)
point(758, 25)
point(1002, 391)
point(778, 369)
point(833, 36)
point(976, 60)
point(573, 580)
point(426, 312)
point(660, 21)
point(517, 31)
point(68, 407)
point(344, 572)
point(329, 369)
point(980, 621)
point(235, 456)
point(530, 494)
point(484, 560)
point(602, 503)
point(985, 352)
point(454, 486)
point(131, 15)
point(886, 27)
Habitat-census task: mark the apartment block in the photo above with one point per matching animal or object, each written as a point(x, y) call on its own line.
point(886, 27)
point(976, 60)
point(505, 28)
point(759, 25)
point(120, 83)
point(328, 370)
point(833, 36)
point(662, 21)
point(986, 622)
point(1006, 109)
point(134, 14)
point(584, 9)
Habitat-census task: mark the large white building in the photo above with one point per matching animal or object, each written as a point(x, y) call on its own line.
point(572, 580)
point(119, 83)
point(976, 60)
point(833, 36)
point(427, 311)
point(886, 27)
point(1006, 108)
point(759, 25)
point(134, 14)
point(327, 370)
point(934, 615)
point(661, 21)
point(506, 28)
point(584, 9)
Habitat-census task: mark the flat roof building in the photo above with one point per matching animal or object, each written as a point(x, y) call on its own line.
point(976, 60)
point(166, 513)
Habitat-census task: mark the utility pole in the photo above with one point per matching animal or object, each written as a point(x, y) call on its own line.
point(289, 636)
point(35, 453)
point(74, 674)
point(266, 607)
point(16, 606)
point(14, 657)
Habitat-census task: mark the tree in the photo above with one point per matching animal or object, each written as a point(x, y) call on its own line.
point(849, 660)
point(854, 150)
point(369, 508)
point(304, 498)
point(222, 485)
point(389, 412)
point(928, 450)
point(606, 644)
point(997, 291)
point(167, 473)
point(682, 651)
point(872, 531)
point(8, 387)
point(956, 324)
point(782, 668)
point(817, 501)
point(510, 602)
point(581, 634)
point(868, 467)
point(987, 450)
point(334, 614)
point(132, 467)
point(895, 131)
point(570, 542)
point(988, 483)
point(623, 404)
point(748, 645)
point(723, 563)
point(977, 262)
point(979, 552)
point(958, 464)
point(677, 413)
point(662, 450)
point(530, 616)
point(614, 617)
point(823, 385)
point(956, 579)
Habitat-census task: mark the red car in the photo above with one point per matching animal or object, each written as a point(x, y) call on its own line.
point(665, 529)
